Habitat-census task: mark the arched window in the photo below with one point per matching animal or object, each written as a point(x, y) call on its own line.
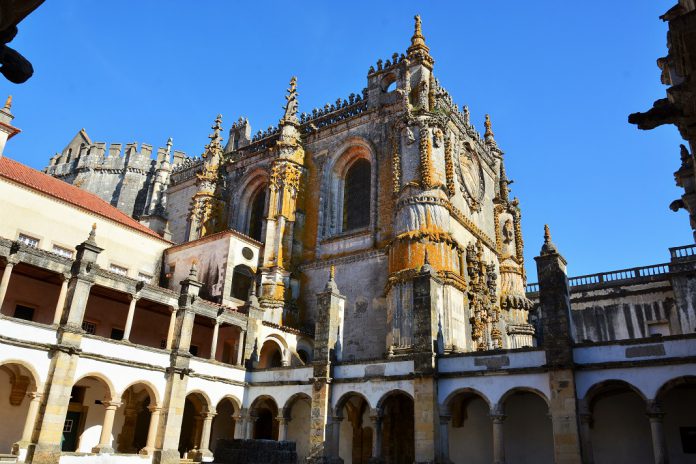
point(242, 278)
point(356, 196)
point(258, 204)
point(270, 355)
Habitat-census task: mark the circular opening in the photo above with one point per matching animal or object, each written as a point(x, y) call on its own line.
point(247, 252)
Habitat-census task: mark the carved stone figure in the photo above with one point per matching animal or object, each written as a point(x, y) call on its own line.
point(508, 231)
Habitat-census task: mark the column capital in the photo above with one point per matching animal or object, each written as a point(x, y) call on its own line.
point(154, 409)
point(64, 276)
point(208, 415)
point(445, 418)
point(34, 395)
point(111, 404)
point(654, 410)
point(12, 259)
point(282, 420)
point(585, 418)
point(497, 418)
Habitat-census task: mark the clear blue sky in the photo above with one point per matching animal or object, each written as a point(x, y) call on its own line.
point(558, 78)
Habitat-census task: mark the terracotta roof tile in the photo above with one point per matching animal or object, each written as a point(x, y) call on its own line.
point(36, 180)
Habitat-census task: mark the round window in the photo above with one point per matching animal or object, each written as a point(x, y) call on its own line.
point(247, 252)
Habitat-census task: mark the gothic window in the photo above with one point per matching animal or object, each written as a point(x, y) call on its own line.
point(356, 196)
point(258, 204)
point(242, 279)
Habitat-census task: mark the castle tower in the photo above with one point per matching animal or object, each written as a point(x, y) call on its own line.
point(287, 169)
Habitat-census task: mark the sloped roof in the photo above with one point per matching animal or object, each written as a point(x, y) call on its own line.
point(36, 180)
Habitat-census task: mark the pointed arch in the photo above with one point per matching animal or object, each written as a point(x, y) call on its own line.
point(250, 203)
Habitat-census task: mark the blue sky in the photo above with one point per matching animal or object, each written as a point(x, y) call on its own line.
point(558, 78)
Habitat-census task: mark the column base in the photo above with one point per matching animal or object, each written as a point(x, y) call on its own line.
point(43, 454)
point(200, 455)
point(169, 456)
point(20, 450)
point(103, 450)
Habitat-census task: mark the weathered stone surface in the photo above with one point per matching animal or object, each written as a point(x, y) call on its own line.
point(255, 452)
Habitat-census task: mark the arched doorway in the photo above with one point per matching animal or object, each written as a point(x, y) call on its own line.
point(527, 429)
point(270, 355)
point(135, 415)
point(397, 428)
point(296, 415)
point(264, 412)
point(18, 388)
point(257, 209)
point(356, 429)
point(470, 429)
point(196, 412)
point(224, 423)
point(677, 401)
point(89, 399)
point(620, 431)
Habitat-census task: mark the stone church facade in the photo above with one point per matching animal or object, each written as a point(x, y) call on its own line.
point(351, 280)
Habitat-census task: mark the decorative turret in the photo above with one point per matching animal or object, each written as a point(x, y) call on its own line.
point(489, 135)
point(7, 130)
point(290, 115)
point(419, 51)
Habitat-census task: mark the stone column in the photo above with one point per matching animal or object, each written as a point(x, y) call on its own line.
point(170, 331)
point(204, 446)
point(282, 428)
point(152, 430)
point(129, 318)
point(249, 432)
point(177, 375)
point(557, 336)
point(20, 447)
point(60, 304)
point(5, 281)
point(335, 446)
point(240, 348)
point(585, 418)
point(214, 341)
point(240, 421)
point(444, 438)
point(498, 440)
point(656, 416)
point(376, 438)
point(104, 446)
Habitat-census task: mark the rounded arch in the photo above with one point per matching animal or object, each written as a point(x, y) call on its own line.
point(263, 400)
point(108, 385)
point(609, 385)
point(242, 281)
point(236, 404)
point(467, 391)
point(300, 396)
point(35, 381)
point(254, 184)
point(341, 403)
point(149, 388)
point(390, 394)
point(387, 81)
point(200, 399)
point(686, 380)
point(272, 353)
point(264, 409)
point(512, 391)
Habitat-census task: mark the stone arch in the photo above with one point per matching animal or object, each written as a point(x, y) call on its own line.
point(304, 350)
point(149, 387)
point(274, 352)
point(92, 393)
point(138, 400)
point(337, 166)
point(446, 406)
point(295, 426)
point(675, 403)
point(197, 409)
point(527, 428)
point(340, 404)
point(516, 390)
point(352, 416)
point(243, 278)
point(674, 383)
point(470, 428)
point(264, 414)
point(224, 423)
point(254, 184)
point(390, 393)
point(387, 80)
point(202, 399)
point(33, 374)
point(106, 382)
point(396, 408)
point(290, 402)
point(19, 387)
point(619, 426)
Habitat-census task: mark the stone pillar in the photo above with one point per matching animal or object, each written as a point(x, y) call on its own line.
point(20, 448)
point(282, 428)
point(170, 331)
point(656, 416)
point(250, 422)
point(335, 445)
point(240, 348)
point(152, 430)
point(586, 437)
point(104, 446)
point(254, 323)
point(60, 304)
point(557, 333)
point(204, 445)
point(214, 341)
point(129, 318)
point(177, 375)
point(240, 424)
point(444, 438)
point(426, 286)
point(328, 342)
point(376, 457)
point(498, 439)
point(5, 281)
point(64, 355)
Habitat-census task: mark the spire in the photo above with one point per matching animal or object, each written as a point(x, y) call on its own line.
point(290, 115)
point(548, 247)
point(92, 234)
point(8, 103)
point(170, 142)
point(331, 284)
point(215, 138)
point(489, 132)
point(417, 40)
point(193, 272)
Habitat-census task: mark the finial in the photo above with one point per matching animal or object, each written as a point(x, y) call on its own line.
point(215, 144)
point(8, 103)
point(169, 145)
point(290, 107)
point(332, 272)
point(547, 234)
point(548, 247)
point(418, 41)
point(92, 233)
point(426, 261)
point(193, 273)
point(489, 132)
